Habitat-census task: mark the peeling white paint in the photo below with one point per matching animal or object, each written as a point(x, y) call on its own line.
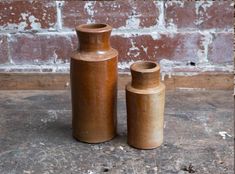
point(156, 36)
point(171, 26)
point(132, 27)
point(34, 25)
point(55, 56)
point(202, 14)
point(113, 5)
point(89, 7)
point(125, 65)
point(145, 49)
point(133, 21)
point(23, 24)
point(59, 5)
point(206, 40)
point(166, 68)
point(180, 3)
point(202, 4)
point(24, 15)
point(133, 50)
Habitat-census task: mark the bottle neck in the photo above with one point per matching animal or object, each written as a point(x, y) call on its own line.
point(145, 75)
point(94, 37)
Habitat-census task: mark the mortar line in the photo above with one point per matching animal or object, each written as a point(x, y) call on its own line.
point(145, 31)
point(59, 24)
point(8, 49)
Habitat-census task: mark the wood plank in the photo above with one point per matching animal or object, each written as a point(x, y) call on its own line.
point(28, 81)
point(58, 81)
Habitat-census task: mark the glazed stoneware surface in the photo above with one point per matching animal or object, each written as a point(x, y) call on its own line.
point(145, 99)
point(94, 85)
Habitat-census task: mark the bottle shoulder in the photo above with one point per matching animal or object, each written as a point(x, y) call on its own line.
point(95, 56)
point(158, 89)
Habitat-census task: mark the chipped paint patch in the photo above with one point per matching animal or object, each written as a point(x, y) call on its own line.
point(133, 50)
point(133, 21)
point(202, 14)
point(180, 3)
point(171, 26)
point(207, 38)
point(89, 7)
point(125, 65)
point(166, 68)
point(26, 20)
point(202, 4)
point(145, 49)
point(33, 23)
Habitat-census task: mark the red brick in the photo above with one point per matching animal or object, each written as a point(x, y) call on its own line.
point(221, 49)
point(114, 13)
point(26, 15)
point(146, 11)
point(40, 48)
point(200, 15)
point(3, 49)
point(218, 15)
point(182, 47)
point(181, 13)
point(74, 40)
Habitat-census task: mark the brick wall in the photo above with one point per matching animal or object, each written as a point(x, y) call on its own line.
point(38, 36)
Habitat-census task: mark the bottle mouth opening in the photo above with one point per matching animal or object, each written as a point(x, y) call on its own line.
point(144, 66)
point(94, 28)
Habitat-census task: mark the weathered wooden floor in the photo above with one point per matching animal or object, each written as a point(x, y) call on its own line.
point(35, 136)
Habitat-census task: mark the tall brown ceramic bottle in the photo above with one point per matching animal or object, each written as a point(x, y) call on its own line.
point(145, 99)
point(93, 76)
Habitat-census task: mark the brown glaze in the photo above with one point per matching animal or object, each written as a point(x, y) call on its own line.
point(94, 85)
point(145, 99)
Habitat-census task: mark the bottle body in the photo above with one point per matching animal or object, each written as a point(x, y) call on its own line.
point(93, 73)
point(145, 100)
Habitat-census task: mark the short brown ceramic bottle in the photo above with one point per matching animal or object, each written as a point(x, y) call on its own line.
point(145, 99)
point(94, 84)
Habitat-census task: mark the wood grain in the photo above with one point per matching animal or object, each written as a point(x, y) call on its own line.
point(58, 81)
